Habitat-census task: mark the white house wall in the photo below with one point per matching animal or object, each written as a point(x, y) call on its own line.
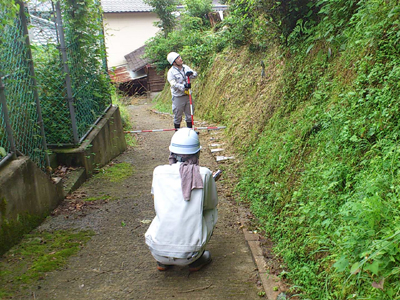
point(125, 32)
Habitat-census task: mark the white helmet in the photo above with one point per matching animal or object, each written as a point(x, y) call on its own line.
point(185, 141)
point(172, 56)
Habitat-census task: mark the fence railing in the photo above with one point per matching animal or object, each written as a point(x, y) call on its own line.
point(54, 85)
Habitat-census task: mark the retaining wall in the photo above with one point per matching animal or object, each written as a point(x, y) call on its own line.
point(28, 195)
point(106, 141)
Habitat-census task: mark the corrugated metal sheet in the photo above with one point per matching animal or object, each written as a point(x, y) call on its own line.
point(120, 75)
point(151, 80)
point(119, 6)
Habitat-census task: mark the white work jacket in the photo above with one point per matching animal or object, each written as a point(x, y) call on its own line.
point(181, 229)
point(177, 79)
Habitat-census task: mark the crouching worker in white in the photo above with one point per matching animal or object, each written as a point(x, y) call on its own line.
point(185, 201)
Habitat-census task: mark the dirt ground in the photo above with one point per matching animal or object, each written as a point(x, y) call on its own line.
point(116, 263)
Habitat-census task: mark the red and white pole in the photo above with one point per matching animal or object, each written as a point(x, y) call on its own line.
point(190, 100)
point(173, 129)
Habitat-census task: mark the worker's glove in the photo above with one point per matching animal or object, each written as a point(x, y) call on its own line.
point(188, 85)
point(189, 73)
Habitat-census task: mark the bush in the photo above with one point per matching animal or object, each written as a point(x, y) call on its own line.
point(199, 9)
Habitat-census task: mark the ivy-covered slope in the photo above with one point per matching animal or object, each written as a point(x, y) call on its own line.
point(318, 125)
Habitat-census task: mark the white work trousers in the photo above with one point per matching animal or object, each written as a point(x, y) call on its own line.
point(177, 261)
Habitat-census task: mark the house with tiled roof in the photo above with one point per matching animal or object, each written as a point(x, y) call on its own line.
point(128, 25)
point(118, 6)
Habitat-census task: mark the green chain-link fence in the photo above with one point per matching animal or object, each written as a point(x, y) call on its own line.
point(78, 77)
point(72, 84)
point(20, 98)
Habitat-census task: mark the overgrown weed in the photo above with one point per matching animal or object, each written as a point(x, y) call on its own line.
point(162, 102)
point(35, 256)
point(319, 139)
point(116, 173)
point(319, 136)
point(118, 100)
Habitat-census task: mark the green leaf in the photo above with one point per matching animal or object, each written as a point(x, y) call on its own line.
point(355, 268)
point(309, 48)
point(342, 264)
point(3, 151)
point(374, 267)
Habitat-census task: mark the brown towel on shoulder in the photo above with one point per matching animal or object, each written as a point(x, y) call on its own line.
point(190, 175)
point(191, 179)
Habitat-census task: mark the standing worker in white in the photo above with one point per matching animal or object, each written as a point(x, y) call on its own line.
point(178, 79)
point(185, 201)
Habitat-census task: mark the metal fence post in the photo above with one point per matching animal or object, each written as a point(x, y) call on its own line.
point(103, 47)
point(103, 41)
point(24, 24)
point(68, 84)
point(4, 108)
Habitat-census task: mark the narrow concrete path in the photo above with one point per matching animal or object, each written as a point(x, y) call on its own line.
point(116, 263)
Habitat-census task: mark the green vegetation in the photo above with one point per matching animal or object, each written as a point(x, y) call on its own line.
point(118, 101)
point(8, 10)
point(310, 94)
point(56, 114)
point(36, 255)
point(104, 197)
point(130, 140)
point(163, 102)
point(85, 54)
point(11, 231)
point(126, 121)
point(116, 173)
point(194, 40)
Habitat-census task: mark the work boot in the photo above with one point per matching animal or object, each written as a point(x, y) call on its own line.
point(189, 124)
point(204, 260)
point(177, 126)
